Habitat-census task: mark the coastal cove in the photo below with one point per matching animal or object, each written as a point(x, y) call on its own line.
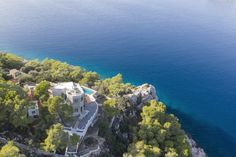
point(186, 49)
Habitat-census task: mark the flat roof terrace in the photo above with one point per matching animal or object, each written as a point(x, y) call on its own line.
point(92, 109)
point(81, 125)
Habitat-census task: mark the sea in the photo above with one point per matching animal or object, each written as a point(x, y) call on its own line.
point(185, 48)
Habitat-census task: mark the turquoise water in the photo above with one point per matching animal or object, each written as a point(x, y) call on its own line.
point(87, 91)
point(186, 48)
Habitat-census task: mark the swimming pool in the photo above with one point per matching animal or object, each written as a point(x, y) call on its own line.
point(88, 91)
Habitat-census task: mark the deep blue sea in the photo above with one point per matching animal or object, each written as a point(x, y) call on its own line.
point(186, 48)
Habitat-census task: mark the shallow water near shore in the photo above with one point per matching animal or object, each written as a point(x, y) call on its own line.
point(186, 48)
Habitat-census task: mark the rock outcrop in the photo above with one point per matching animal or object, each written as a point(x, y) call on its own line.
point(195, 150)
point(142, 94)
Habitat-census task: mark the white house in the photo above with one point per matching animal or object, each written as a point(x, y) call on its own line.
point(33, 110)
point(85, 112)
point(73, 94)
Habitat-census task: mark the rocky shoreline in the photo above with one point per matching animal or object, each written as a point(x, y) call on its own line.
point(195, 150)
point(147, 92)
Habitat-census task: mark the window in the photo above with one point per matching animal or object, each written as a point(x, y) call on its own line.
point(33, 112)
point(81, 109)
point(76, 109)
point(82, 98)
point(75, 100)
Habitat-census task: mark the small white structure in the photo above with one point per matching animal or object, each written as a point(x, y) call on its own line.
point(15, 73)
point(33, 110)
point(30, 87)
point(72, 93)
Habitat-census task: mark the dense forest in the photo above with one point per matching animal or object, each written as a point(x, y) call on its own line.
point(150, 131)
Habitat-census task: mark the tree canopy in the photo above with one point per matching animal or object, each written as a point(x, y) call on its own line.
point(10, 61)
point(158, 134)
point(56, 139)
point(13, 105)
point(110, 108)
point(73, 139)
point(1, 73)
point(10, 150)
point(114, 87)
point(50, 70)
point(89, 78)
point(58, 107)
point(41, 90)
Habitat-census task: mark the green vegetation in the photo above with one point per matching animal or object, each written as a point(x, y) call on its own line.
point(89, 79)
point(58, 108)
point(13, 105)
point(48, 69)
point(1, 73)
point(158, 134)
point(113, 87)
point(56, 139)
point(73, 139)
point(10, 61)
point(41, 91)
point(110, 108)
point(44, 122)
point(10, 150)
point(150, 132)
point(14, 102)
point(56, 71)
point(114, 106)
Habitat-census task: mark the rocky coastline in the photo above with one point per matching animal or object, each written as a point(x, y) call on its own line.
point(147, 92)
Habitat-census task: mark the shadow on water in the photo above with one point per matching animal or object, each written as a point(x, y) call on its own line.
point(215, 141)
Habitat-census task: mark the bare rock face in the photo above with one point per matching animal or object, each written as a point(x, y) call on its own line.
point(195, 150)
point(142, 94)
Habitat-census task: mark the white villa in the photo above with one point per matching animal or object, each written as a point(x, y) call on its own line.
point(85, 108)
point(72, 93)
point(85, 111)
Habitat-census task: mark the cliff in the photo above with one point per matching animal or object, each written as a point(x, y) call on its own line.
point(195, 150)
point(146, 92)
